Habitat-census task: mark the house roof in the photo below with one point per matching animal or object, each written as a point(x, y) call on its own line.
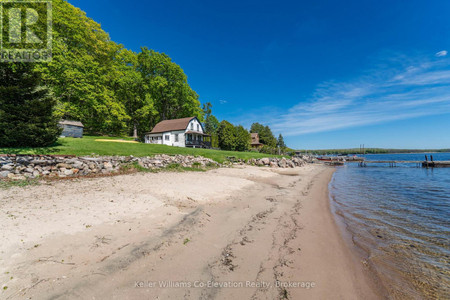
point(254, 135)
point(73, 123)
point(171, 125)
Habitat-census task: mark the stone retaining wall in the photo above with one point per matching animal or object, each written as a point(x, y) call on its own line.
point(22, 167)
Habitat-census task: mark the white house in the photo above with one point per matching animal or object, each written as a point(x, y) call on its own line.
point(186, 132)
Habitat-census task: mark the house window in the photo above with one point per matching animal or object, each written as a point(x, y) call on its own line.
point(198, 127)
point(167, 137)
point(176, 137)
point(192, 126)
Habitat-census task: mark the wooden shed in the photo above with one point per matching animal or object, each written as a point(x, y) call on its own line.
point(71, 128)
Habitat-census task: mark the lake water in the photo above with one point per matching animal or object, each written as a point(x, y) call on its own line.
point(400, 220)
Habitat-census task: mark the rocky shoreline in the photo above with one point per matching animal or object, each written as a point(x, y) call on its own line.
point(20, 167)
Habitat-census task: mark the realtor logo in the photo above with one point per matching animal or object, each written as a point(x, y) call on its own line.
point(25, 31)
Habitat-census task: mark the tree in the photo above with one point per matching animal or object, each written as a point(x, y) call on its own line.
point(211, 125)
point(242, 139)
point(110, 89)
point(83, 71)
point(27, 116)
point(134, 94)
point(226, 134)
point(168, 86)
point(280, 142)
point(266, 136)
point(207, 109)
point(235, 138)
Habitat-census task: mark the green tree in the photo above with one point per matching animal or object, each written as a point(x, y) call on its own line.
point(266, 136)
point(26, 108)
point(211, 124)
point(82, 71)
point(172, 95)
point(242, 139)
point(226, 135)
point(280, 142)
point(134, 94)
point(207, 109)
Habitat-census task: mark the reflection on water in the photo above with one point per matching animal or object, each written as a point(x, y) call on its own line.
point(401, 218)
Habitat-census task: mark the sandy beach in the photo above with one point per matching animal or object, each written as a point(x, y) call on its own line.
point(242, 233)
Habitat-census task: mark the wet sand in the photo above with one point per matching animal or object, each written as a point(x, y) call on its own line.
point(223, 234)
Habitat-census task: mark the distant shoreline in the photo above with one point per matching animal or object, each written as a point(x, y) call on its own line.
point(373, 151)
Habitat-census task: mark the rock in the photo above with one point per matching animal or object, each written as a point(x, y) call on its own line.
point(29, 170)
point(39, 162)
point(282, 163)
point(107, 165)
point(78, 165)
point(7, 167)
point(36, 173)
point(64, 165)
point(16, 177)
point(68, 172)
point(273, 164)
point(265, 161)
point(23, 161)
point(4, 173)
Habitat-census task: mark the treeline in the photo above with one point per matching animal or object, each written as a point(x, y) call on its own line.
point(227, 136)
point(370, 151)
point(110, 89)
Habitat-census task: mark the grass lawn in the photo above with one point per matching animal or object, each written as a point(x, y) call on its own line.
point(88, 146)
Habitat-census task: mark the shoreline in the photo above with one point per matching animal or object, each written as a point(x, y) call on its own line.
point(360, 255)
point(390, 218)
point(252, 225)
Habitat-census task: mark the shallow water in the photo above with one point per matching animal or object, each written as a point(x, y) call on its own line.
point(400, 218)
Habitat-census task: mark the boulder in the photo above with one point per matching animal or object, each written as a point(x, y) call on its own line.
point(107, 165)
point(4, 173)
point(265, 161)
point(282, 163)
point(16, 176)
point(64, 165)
point(68, 172)
point(7, 167)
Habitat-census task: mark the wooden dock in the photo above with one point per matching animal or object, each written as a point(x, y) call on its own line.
point(394, 163)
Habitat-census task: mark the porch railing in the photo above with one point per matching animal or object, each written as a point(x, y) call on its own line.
point(198, 143)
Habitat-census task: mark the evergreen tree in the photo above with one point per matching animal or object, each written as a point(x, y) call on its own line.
point(265, 134)
point(280, 142)
point(27, 116)
point(226, 133)
point(242, 139)
point(211, 124)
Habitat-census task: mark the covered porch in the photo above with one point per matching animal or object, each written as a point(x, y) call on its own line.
point(197, 139)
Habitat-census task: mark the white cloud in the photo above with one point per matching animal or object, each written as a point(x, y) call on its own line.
point(387, 94)
point(441, 53)
point(223, 101)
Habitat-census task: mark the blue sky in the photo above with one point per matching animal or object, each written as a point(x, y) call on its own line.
point(325, 74)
